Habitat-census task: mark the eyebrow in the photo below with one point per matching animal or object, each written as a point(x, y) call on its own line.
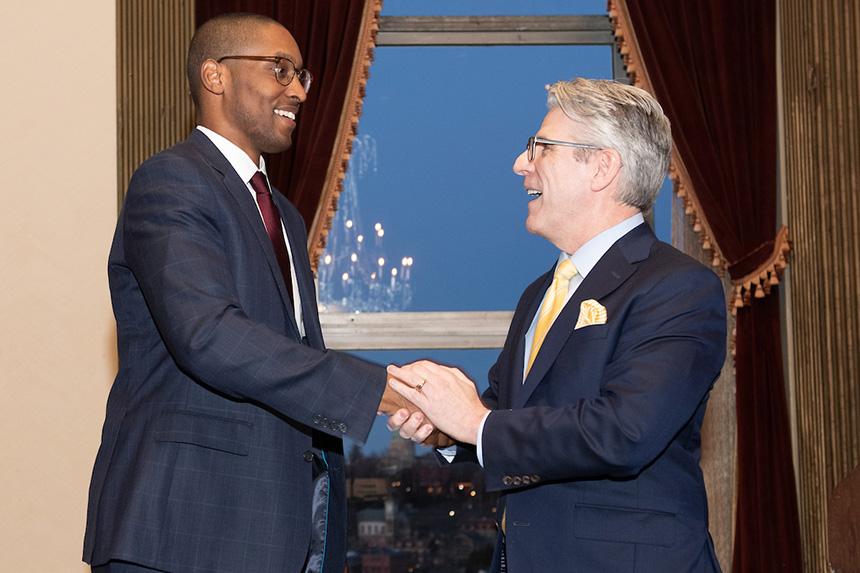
point(287, 57)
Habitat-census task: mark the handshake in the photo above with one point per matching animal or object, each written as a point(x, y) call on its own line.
point(432, 404)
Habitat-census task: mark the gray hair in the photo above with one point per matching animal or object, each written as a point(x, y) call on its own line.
point(627, 119)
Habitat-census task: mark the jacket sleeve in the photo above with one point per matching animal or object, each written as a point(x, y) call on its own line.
point(468, 453)
point(173, 246)
point(670, 349)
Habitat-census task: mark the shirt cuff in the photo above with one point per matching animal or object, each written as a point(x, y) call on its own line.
point(480, 436)
point(448, 453)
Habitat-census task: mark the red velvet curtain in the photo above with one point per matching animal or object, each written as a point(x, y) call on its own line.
point(712, 65)
point(327, 34)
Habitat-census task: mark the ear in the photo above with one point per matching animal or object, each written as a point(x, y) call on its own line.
point(607, 165)
point(211, 77)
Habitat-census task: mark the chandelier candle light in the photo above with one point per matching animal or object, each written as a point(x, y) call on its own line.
point(355, 274)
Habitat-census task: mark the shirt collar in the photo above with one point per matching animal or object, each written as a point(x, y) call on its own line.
point(240, 161)
point(591, 252)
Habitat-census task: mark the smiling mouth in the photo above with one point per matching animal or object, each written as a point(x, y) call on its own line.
point(285, 113)
point(533, 194)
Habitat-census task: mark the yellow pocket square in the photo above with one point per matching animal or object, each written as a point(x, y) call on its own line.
point(591, 312)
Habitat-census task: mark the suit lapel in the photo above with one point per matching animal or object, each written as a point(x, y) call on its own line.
point(515, 388)
point(245, 204)
point(520, 326)
point(304, 275)
point(610, 272)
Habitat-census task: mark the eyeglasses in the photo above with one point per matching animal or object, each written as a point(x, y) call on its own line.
point(285, 70)
point(534, 141)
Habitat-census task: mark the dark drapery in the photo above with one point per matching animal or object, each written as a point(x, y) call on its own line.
point(767, 530)
point(327, 34)
point(712, 65)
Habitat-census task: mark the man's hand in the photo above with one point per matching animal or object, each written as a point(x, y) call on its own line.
point(445, 395)
point(410, 420)
point(413, 426)
point(392, 402)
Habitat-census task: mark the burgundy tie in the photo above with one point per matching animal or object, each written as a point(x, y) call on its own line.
point(272, 220)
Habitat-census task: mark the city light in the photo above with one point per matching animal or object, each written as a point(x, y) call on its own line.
point(399, 487)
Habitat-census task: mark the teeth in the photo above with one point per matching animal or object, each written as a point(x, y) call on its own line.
point(285, 113)
point(534, 192)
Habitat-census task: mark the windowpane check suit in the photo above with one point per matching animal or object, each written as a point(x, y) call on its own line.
point(220, 410)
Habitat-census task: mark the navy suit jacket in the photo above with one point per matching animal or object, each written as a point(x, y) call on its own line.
point(596, 455)
point(220, 410)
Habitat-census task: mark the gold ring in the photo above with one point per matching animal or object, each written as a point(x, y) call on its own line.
point(420, 385)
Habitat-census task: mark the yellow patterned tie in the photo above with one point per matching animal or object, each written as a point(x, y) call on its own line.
point(552, 305)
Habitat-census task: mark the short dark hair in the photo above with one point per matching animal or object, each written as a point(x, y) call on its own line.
point(223, 35)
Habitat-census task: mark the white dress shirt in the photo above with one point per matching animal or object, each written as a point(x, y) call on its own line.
point(246, 168)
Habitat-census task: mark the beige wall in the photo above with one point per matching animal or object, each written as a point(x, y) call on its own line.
point(57, 358)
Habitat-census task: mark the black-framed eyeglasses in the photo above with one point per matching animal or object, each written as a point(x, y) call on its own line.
point(285, 70)
point(534, 141)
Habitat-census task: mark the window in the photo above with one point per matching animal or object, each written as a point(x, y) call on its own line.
point(450, 103)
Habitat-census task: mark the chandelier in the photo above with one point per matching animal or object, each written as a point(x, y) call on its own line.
point(355, 273)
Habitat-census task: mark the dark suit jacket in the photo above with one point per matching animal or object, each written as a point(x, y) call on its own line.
point(597, 454)
point(206, 458)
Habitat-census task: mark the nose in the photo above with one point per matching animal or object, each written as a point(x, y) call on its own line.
point(296, 91)
point(521, 164)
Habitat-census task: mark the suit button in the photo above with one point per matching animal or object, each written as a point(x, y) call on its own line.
point(308, 456)
point(535, 478)
point(526, 480)
point(316, 419)
point(342, 428)
point(518, 480)
point(507, 480)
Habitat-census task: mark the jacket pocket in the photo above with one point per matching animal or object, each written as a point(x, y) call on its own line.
point(204, 430)
point(589, 332)
point(603, 523)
